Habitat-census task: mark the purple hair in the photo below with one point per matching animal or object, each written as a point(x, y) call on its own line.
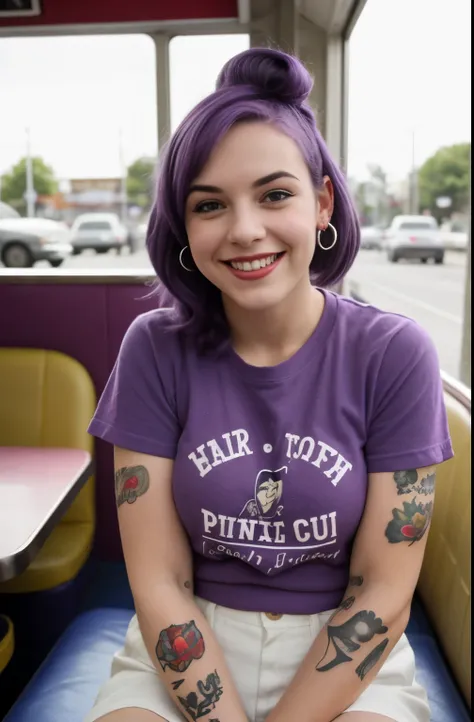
point(260, 84)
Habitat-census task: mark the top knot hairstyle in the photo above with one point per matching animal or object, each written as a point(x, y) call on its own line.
point(271, 74)
point(260, 84)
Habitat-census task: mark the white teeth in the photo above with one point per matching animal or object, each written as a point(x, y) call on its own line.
point(253, 265)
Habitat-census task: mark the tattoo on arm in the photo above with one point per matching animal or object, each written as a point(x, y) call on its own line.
point(409, 481)
point(371, 660)
point(178, 645)
point(130, 483)
point(348, 637)
point(177, 684)
point(411, 523)
point(347, 602)
point(198, 704)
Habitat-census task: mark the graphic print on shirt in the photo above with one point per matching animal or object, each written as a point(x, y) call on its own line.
point(266, 531)
point(268, 492)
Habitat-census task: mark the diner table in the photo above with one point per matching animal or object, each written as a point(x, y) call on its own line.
point(37, 486)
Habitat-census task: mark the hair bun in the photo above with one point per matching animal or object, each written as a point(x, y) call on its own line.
point(272, 73)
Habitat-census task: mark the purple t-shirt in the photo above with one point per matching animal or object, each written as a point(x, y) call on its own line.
point(270, 472)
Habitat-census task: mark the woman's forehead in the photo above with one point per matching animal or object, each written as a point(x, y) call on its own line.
point(250, 151)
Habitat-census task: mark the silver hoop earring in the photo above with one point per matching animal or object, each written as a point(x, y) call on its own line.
point(334, 232)
point(189, 270)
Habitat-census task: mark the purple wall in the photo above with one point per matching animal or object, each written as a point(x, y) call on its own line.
point(86, 321)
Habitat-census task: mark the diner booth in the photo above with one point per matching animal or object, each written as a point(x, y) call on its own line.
point(65, 602)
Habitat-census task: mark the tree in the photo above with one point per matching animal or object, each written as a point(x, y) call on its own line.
point(446, 174)
point(14, 182)
point(140, 182)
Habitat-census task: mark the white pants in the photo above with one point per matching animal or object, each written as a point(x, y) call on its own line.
point(263, 654)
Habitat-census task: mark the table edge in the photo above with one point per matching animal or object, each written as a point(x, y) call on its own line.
point(13, 565)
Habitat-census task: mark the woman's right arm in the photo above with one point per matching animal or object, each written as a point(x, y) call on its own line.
point(158, 558)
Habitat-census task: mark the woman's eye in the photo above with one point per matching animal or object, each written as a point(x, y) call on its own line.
point(277, 195)
point(207, 207)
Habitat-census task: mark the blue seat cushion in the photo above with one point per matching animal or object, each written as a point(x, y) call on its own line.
point(66, 685)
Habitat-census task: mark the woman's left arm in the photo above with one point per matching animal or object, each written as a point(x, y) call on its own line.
point(385, 565)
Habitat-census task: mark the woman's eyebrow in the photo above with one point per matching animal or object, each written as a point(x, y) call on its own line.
point(272, 177)
point(260, 182)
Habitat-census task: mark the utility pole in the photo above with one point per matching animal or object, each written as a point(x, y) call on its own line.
point(123, 182)
point(30, 195)
point(414, 203)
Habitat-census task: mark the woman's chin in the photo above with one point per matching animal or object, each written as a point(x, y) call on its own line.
point(256, 300)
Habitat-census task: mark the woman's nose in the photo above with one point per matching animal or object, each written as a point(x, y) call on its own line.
point(246, 227)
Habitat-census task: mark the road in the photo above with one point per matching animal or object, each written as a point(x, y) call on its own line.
point(432, 295)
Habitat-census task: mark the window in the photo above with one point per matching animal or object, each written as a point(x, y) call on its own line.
point(89, 106)
point(95, 226)
point(417, 226)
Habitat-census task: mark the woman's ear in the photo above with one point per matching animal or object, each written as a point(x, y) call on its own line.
point(325, 203)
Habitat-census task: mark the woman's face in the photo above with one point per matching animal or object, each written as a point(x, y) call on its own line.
point(252, 216)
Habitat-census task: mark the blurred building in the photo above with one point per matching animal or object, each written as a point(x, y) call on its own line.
point(82, 195)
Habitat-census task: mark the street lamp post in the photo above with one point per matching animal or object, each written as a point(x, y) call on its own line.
point(30, 195)
point(414, 202)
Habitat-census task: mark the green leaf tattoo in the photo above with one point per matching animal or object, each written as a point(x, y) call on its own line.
point(411, 523)
point(406, 482)
point(130, 483)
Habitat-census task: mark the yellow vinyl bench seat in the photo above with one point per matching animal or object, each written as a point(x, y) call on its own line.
point(60, 559)
point(47, 400)
point(445, 581)
point(7, 641)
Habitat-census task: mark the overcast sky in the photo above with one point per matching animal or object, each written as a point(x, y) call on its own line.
point(410, 71)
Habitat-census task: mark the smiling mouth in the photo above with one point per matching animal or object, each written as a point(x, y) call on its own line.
point(256, 264)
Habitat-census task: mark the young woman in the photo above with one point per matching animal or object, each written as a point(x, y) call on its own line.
point(275, 443)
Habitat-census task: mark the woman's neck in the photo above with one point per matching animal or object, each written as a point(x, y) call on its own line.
point(271, 336)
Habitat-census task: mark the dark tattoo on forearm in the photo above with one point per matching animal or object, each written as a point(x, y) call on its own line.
point(347, 638)
point(409, 481)
point(130, 483)
point(411, 523)
point(177, 684)
point(178, 645)
point(345, 604)
point(204, 701)
point(372, 658)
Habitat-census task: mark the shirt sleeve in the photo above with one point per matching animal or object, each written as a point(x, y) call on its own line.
point(407, 427)
point(137, 410)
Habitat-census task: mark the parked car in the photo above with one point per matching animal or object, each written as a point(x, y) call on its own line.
point(24, 241)
point(371, 237)
point(100, 232)
point(7, 211)
point(414, 237)
point(455, 235)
